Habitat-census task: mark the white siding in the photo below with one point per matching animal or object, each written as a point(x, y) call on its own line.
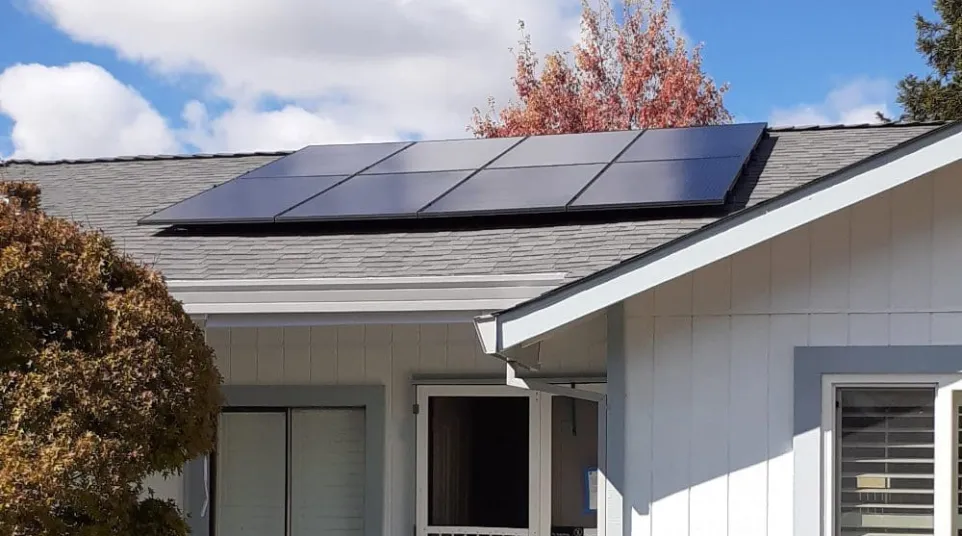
point(710, 354)
point(386, 355)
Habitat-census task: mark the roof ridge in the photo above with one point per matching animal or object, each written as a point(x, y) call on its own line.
point(138, 158)
point(191, 156)
point(853, 126)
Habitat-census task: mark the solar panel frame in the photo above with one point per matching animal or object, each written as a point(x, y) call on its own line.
point(689, 143)
point(331, 204)
point(444, 155)
point(228, 199)
point(469, 195)
point(655, 179)
point(567, 149)
point(336, 159)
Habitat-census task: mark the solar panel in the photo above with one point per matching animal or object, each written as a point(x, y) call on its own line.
point(328, 160)
point(243, 201)
point(661, 183)
point(694, 142)
point(565, 149)
point(392, 195)
point(515, 190)
point(444, 156)
point(695, 166)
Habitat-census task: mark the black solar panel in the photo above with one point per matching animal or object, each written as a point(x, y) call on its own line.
point(391, 195)
point(515, 190)
point(444, 156)
point(694, 142)
point(328, 160)
point(243, 201)
point(566, 149)
point(662, 183)
point(477, 177)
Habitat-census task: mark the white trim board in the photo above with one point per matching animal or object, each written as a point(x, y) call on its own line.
point(473, 294)
point(727, 236)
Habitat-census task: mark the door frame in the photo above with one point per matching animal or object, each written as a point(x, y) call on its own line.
point(539, 451)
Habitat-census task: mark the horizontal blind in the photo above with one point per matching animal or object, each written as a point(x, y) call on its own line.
point(251, 474)
point(327, 472)
point(885, 458)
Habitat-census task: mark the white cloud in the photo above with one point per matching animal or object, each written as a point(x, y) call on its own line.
point(853, 103)
point(244, 129)
point(78, 110)
point(348, 70)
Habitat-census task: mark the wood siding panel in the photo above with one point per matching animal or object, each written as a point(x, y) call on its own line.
point(884, 272)
point(711, 361)
point(671, 427)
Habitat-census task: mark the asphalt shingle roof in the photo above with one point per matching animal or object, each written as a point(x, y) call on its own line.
point(112, 194)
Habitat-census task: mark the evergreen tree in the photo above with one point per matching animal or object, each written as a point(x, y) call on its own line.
point(938, 96)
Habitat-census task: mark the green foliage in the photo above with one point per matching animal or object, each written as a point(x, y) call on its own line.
point(104, 380)
point(938, 96)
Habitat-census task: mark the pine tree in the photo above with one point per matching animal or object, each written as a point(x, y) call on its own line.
point(938, 96)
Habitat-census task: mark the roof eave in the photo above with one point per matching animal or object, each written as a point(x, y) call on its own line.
point(373, 295)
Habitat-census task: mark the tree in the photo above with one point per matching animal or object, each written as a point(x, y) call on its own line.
point(938, 96)
point(104, 380)
point(636, 74)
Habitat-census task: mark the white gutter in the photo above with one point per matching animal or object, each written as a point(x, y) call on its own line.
point(343, 296)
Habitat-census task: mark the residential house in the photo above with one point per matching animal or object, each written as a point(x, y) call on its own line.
point(785, 362)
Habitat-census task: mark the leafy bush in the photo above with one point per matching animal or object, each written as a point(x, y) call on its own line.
point(104, 380)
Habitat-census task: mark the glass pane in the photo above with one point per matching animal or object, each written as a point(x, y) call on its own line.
point(885, 461)
point(574, 464)
point(327, 472)
point(478, 462)
point(250, 475)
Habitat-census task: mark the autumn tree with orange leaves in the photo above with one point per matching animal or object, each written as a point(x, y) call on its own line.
point(637, 74)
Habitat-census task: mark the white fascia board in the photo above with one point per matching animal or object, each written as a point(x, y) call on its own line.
point(511, 379)
point(360, 295)
point(735, 233)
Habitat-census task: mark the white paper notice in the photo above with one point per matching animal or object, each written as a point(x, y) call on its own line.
point(592, 489)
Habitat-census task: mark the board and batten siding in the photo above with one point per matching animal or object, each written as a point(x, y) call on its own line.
point(388, 355)
point(710, 355)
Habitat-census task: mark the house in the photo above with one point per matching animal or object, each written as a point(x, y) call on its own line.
point(788, 362)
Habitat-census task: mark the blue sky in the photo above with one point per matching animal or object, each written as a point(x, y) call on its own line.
point(107, 78)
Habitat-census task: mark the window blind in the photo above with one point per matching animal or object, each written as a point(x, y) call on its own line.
point(251, 475)
point(885, 461)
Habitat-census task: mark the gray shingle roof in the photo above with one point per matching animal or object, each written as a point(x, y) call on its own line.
point(112, 194)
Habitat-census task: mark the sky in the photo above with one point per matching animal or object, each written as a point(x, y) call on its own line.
point(104, 78)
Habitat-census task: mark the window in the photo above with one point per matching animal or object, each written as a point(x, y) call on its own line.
point(289, 472)
point(886, 451)
point(892, 456)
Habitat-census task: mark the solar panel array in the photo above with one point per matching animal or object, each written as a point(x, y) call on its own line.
point(695, 166)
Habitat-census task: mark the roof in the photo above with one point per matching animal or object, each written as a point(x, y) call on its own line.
point(112, 194)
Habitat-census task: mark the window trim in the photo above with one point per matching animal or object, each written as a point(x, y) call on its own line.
point(831, 383)
point(199, 473)
point(895, 364)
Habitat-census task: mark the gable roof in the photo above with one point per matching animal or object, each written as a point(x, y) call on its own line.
point(112, 194)
point(724, 237)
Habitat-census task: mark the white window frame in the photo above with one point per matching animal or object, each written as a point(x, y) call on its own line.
point(539, 460)
point(948, 395)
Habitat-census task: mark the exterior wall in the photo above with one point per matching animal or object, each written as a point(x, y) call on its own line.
point(386, 355)
point(710, 355)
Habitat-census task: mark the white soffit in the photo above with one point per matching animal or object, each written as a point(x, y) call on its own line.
point(369, 296)
point(721, 239)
